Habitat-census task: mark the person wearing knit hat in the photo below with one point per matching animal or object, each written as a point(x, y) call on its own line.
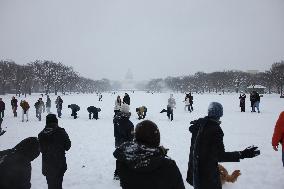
point(15, 164)
point(207, 149)
point(143, 163)
point(54, 142)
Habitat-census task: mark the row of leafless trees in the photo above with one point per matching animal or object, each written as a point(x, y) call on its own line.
point(45, 77)
point(272, 79)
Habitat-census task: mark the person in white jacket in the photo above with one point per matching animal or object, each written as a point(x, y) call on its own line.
point(171, 105)
point(117, 105)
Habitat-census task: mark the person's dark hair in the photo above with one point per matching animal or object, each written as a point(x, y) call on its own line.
point(147, 133)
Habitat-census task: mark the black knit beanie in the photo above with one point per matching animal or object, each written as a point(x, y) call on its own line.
point(147, 133)
point(51, 118)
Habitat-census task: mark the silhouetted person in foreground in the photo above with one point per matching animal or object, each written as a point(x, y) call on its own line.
point(15, 164)
point(54, 142)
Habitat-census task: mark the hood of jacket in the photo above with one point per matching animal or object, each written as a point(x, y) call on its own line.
point(138, 157)
point(195, 125)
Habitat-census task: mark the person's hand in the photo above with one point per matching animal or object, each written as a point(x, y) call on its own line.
point(249, 152)
point(275, 148)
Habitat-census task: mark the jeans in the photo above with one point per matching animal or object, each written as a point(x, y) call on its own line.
point(256, 105)
point(25, 113)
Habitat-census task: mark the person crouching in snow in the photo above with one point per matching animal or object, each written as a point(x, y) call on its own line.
point(143, 163)
point(123, 131)
point(40, 108)
point(15, 164)
point(170, 107)
point(95, 111)
point(74, 108)
point(207, 149)
point(25, 106)
point(141, 112)
point(278, 135)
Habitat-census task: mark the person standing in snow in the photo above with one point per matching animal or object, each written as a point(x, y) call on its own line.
point(48, 104)
point(40, 108)
point(54, 142)
point(117, 105)
point(278, 135)
point(14, 104)
point(144, 163)
point(25, 107)
point(190, 107)
point(243, 102)
point(123, 131)
point(95, 111)
point(15, 164)
point(2, 108)
point(186, 102)
point(74, 108)
point(207, 149)
point(126, 99)
point(100, 97)
point(59, 103)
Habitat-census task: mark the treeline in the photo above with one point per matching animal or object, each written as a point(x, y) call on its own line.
point(45, 77)
point(225, 81)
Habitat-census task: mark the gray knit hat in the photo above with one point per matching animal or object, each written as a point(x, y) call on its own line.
point(215, 110)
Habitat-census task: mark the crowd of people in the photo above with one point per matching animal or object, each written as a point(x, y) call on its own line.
point(140, 161)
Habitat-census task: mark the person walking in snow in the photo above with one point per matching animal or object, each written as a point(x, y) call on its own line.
point(143, 163)
point(40, 108)
point(123, 131)
point(59, 103)
point(278, 135)
point(170, 107)
point(25, 109)
point(100, 97)
point(126, 99)
point(15, 164)
point(74, 108)
point(2, 108)
point(14, 104)
point(117, 105)
point(54, 142)
point(48, 104)
point(207, 149)
point(95, 111)
point(141, 112)
point(190, 107)
point(243, 102)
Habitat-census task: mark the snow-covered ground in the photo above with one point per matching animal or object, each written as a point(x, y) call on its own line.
point(90, 161)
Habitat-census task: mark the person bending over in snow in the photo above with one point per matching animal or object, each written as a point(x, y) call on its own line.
point(170, 107)
point(75, 108)
point(207, 149)
point(54, 142)
point(141, 112)
point(95, 111)
point(278, 135)
point(15, 164)
point(40, 108)
point(143, 163)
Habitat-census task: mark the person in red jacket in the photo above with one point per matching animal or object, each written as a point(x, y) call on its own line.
point(278, 135)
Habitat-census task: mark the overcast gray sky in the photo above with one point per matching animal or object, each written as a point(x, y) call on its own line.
point(153, 38)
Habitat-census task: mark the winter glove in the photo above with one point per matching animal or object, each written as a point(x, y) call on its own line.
point(249, 152)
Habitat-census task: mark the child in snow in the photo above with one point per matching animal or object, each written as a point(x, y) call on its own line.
point(278, 135)
point(74, 108)
point(95, 111)
point(14, 104)
point(40, 108)
point(243, 102)
point(141, 112)
point(25, 107)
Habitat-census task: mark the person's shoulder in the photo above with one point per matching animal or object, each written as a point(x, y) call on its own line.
point(169, 164)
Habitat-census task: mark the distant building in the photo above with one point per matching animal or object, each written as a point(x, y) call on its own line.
point(258, 88)
point(128, 83)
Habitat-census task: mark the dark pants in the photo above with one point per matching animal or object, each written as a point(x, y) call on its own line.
point(14, 111)
point(283, 157)
point(95, 115)
point(190, 108)
point(59, 114)
point(74, 113)
point(243, 108)
point(38, 115)
point(170, 113)
point(2, 113)
point(55, 181)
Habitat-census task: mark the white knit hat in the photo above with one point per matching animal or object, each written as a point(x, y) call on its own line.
point(124, 108)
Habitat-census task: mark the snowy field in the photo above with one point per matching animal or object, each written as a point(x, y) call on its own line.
point(90, 161)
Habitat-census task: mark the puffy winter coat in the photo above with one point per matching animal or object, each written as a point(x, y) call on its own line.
point(93, 109)
point(141, 167)
point(206, 150)
point(14, 103)
point(75, 107)
point(242, 100)
point(54, 141)
point(25, 105)
point(123, 128)
point(172, 102)
point(278, 135)
point(59, 103)
point(39, 105)
point(2, 106)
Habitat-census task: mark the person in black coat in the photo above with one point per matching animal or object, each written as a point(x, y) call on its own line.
point(74, 108)
point(144, 164)
point(207, 149)
point(95, 111)
point(54, 142)
point(59, 103)
point(14, 104)
point(126, 99)
point(48, 104)
point(2, 108)
point(243, 102)
point(123, 132)
point(15, 164)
